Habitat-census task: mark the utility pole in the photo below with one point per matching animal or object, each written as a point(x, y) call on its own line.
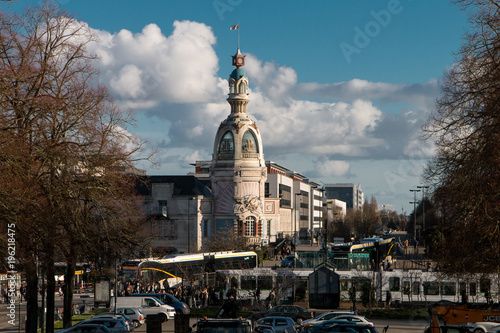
point(414, 202)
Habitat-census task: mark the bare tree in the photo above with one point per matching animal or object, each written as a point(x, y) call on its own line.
point(62, 153)
point(466, 130)
point(226, 240)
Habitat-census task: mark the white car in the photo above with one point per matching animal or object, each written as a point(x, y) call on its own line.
point(483, 327)
point(324, 316)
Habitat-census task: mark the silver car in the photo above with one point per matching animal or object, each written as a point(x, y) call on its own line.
point(322, 317)
point(114, 325)
point(135, 314)
point(279, 324)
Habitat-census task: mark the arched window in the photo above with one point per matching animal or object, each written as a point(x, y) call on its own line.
point(232, 84)
point(242, 87)
point(250, 226)
point(249, 144)
point(226, 145)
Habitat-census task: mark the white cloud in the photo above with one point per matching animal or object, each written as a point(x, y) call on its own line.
point(330, 168)
point(180, 68)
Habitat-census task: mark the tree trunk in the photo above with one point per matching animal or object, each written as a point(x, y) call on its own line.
point(51, 289)
point(68, 292)
point(31, 297)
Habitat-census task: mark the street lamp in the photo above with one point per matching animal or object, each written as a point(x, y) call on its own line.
point(414, 202)
point(423, 205)
point(189, 227)
point(295, 223)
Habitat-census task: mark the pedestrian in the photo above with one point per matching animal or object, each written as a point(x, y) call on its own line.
point(388, 298)
point(352, 295)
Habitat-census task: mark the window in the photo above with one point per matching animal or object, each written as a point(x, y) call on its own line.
point(226, 146)
point(248, 282)
point(250, 226)
point(205, 228)
point(249, 144)
point(163, 208)
point(164, 228)
point(431, 288)
point(265, 282)
point(406, 288)
point(448, 288)
point(472, 288)
point(415, 288)
point(394, 284)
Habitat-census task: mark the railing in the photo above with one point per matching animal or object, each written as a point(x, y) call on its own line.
point(249, 155)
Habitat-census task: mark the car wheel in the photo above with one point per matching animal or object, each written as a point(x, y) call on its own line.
point(299, 320)
point(136, 323)
point(478, 330)
point(164, 317)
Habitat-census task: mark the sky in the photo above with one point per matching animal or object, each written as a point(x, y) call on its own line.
point(339, 89)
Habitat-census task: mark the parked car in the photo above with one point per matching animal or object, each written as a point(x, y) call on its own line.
point(288, 261)
point(134, 313)
point(279, 324)
point(180, 307)
point(360, 320)
point(297, 313)
point(114, 325)
point(322, 317)
point(86, 328)
point(112, 315)
point(263, 329)
point(483, 327)
point(324, 326)
point(352, 328)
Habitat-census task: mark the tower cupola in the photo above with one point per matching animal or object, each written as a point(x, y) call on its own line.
point(238, 86)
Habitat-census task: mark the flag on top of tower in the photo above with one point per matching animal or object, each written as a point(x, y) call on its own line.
point(235, 27)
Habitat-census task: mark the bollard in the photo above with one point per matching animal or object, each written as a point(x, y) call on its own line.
point(153, 323)
point(181, 322)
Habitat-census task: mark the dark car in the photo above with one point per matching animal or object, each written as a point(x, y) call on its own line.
point(288, 261)
point(180, 307)
point(297, 313)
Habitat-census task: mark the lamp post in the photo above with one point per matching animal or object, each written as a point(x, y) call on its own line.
point(297, 211)
point(189, 226)
point(414, 202)
point(423, 205)
point(189, 230)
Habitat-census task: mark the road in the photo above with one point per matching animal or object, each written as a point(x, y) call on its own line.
point(395, 325)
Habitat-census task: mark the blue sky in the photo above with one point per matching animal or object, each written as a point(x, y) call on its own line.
point(339, 89)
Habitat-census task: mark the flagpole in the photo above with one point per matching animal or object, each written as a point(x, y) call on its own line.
point(238, 34)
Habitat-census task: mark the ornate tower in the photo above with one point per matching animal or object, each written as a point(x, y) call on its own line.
point(238, 167)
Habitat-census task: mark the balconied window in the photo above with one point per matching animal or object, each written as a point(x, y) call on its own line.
point(249, 147)
point(226, 147)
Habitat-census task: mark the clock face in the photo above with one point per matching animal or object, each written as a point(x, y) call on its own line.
point(240, 61)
